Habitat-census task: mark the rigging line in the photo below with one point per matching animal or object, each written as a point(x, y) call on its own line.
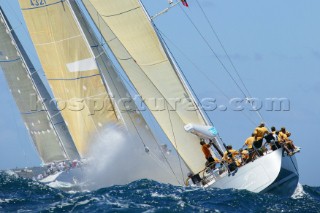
point(116, 71)
point(160, 164)
point(188, 83)
point(223, 65)
point(175, 143)
point(215, 54)
point(136, 129)
point(185, 76)
point(139, 134)
point(181, 52)
point(206, 76)
point(228, 56)
point(128, 113)
point(151, 133)
point(294, 165)
point(159, 93)
point(223, 48)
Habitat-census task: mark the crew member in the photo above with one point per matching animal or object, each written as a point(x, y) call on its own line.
point(193, 180)
point(285, 141)
point(259, 134)
point(207, 154)
point(245, 157)
point(274, 143)
point(249, 141)
point(229, 157)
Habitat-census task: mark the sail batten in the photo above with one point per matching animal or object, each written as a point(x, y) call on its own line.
point(132, 39)
point(71, 70)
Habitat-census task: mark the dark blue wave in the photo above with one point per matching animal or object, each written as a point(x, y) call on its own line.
point(146, 195)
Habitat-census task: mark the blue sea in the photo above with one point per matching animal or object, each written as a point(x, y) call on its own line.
point(24, 195)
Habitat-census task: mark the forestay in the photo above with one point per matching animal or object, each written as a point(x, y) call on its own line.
point(131, 37)
point(70, 68)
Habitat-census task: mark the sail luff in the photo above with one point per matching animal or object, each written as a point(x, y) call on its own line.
point(22, 86)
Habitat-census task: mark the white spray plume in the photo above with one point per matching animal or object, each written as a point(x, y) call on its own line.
point(116, 158)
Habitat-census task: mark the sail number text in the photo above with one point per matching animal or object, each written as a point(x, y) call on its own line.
point(35, 3)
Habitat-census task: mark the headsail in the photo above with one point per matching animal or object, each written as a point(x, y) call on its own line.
point(13, 61)
point(132, 39)
point(70, 68)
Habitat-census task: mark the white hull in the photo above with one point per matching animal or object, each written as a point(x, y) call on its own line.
point(276, 172)
point(70, 176)
point(73, 176)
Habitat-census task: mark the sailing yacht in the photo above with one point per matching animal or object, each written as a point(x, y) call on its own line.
point(77, 65)
point(134, 41)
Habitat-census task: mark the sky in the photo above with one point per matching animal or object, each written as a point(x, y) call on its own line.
point(274, 46)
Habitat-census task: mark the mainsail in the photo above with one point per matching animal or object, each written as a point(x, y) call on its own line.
point(131, 37)
point(70, 68)
point(25, 88)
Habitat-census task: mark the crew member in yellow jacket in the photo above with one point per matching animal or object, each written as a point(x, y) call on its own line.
point(284, 140)
point(259, 133)
point(229, 156)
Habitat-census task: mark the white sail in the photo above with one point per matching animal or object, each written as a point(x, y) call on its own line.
point(23, 89)
point(133, 41)
point(70, 68)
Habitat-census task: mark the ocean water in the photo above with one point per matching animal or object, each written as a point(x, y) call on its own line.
point(23, 195)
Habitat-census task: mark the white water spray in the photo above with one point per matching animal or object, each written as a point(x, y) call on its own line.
point(116, 158)
point(299, 192)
